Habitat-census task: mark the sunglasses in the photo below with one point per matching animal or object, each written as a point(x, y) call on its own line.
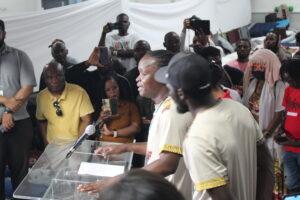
point(58, 108)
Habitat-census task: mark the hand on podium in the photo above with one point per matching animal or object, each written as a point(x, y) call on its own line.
point(112, 149)
point(99, 185)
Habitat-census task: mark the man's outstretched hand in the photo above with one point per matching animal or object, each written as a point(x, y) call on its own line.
point(112, 149)
point(94, 58)
point(98, 186)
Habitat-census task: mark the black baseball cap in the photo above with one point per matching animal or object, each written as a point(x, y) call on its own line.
point(56, 41)
point(189, 72)
point(160, 74)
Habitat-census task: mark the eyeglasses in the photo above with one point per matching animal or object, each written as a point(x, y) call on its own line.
point(58, 108)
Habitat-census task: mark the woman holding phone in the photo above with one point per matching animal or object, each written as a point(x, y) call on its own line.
point(121, 117)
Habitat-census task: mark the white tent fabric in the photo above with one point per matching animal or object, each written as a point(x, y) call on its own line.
point(80, 25)
point(151, 22)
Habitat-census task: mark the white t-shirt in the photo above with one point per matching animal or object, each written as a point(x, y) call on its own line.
point(166, 133)
point(220, 149)
point(117, 42)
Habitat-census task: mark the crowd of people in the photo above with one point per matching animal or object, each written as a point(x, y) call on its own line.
point(214, 130)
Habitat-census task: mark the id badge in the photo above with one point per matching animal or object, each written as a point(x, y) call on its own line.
point(1, 92)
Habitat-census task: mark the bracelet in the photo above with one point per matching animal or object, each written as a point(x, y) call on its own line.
point(115, 134)
point(8, 110)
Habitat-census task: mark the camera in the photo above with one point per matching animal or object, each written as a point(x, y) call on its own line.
point(113, 26)
point(200, 26)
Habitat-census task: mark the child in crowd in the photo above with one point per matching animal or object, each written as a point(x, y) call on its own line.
point(291, 142)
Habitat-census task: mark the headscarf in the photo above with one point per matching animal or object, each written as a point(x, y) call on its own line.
point(269, 60)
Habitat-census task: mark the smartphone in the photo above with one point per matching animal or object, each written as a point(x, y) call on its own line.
point(202, 26)
point(110, 105)
point(104, 58)
point(292, 197)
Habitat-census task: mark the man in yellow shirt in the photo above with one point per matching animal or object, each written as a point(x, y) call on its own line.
point(63, 109)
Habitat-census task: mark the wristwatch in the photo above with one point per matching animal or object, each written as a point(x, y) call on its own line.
point(8, 110)
point(115, 134)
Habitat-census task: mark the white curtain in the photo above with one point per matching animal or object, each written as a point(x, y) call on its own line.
point(80, 25)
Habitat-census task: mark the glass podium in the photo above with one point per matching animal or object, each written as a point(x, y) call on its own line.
point(54, 177)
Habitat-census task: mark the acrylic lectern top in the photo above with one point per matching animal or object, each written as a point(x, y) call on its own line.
point(55, 177)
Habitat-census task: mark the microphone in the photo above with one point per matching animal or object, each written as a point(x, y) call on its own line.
point(89, 130)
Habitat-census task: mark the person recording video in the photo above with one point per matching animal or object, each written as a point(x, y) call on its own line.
point(202, 37)
point(120, 115)
point(121, 44)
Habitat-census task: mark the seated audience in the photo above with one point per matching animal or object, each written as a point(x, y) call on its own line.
point(122, 127)
point(172, 42)
point(243, 48)
point(63, 109)
point(121, 45)
point(291, 140)
point(221, 147)
point(272, 42)
point(263, 95)
point(141, 185)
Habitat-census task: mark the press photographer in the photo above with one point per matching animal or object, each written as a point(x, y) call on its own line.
point(120, 44)
point(202, 35)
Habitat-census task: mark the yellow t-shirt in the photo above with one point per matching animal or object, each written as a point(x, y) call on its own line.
point(74, 103)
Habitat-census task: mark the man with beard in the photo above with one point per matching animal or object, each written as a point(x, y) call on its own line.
point(272, 42)
point(220, 147)
point(63, 109)
point(166, 134)
point(172, 42)
point(243, 48)
point(121, 44)
point(16, 85)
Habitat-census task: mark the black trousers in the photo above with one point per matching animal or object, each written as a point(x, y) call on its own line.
point(14, 151)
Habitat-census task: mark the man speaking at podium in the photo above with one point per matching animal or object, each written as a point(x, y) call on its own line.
point(63, 109)
point(163, 149)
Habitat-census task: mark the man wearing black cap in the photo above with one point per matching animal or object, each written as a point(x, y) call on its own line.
point(220, 146)
point(59, 53)
point(163, 149)
point(16, 84)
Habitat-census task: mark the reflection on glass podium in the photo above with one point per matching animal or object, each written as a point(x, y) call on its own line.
point(54, 177)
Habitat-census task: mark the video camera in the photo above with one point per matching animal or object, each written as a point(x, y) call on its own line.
point(200, 26)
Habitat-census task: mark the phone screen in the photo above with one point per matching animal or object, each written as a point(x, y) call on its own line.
point(104, 57)
point(110, 105)
point(203, 25)
point(292, 197)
